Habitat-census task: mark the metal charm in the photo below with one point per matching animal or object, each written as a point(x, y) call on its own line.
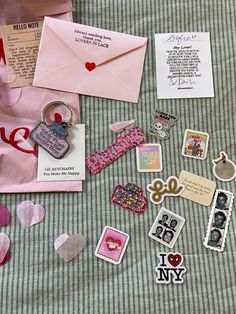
point(224, 169)
point(52, 138)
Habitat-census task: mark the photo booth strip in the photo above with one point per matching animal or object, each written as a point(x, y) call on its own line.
point(217, 229)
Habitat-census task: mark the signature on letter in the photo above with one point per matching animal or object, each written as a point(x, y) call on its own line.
point(180, 81)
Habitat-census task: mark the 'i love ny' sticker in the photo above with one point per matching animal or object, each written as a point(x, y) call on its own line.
point(170, 268)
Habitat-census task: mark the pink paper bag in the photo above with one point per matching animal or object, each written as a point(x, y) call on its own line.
point(18, 153)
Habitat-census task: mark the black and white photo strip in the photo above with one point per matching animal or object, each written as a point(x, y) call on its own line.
point(166, 227)
point(219, 220)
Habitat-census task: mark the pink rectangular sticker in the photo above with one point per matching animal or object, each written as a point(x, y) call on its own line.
point(112, 245)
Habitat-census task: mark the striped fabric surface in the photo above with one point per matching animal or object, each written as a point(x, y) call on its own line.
point(37, 280)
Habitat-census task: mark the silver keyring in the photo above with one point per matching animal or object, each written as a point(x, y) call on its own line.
point(56, 103)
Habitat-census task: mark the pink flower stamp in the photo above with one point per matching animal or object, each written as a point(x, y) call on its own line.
point(112, 245)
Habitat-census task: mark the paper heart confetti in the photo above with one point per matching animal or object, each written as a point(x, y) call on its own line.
point(5, 216)
point(7, 74)
point(9, 96)
point(175, 259)
point(68, 247)
point(2, 55)
point(30, 214)
point(4, 248)
point(118, 127)
point(90, 66)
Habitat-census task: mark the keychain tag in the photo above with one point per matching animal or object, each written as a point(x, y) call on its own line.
point(224, 169)
point(52, 138)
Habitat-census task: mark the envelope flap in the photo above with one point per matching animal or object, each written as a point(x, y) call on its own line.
point(91, 44)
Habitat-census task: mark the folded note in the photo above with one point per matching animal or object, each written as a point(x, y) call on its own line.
point(91, 61)
point(183, 65)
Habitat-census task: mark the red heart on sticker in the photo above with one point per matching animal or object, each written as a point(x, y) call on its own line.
point(112, 244)
point(90, 66)
point(174, 259)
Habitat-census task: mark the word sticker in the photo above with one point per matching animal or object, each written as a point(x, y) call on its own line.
point(224, 169)
point(219, 220)
point(112, 245)
point(169, 268)
point(101, 159)
point(149, 158)
point(166, 227)
point(195, 144)
point(160, 189)
point(163, 121)
point(197, 189)
point(130, 197)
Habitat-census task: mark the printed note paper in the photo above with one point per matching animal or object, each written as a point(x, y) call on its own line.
point(21, 44)
point(183, 65)
point(197, 189)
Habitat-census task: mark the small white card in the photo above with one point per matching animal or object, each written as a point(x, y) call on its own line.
point(183, 65)
point(71, 166)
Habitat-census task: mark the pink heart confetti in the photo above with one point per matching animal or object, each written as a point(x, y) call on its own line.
point(2, 54)
point(4, 248)
point(5, 216)
point(30, 214)
point(6, 258)
point(118, 127)
point(9, 96)
point(68, 247)
point(7, 74)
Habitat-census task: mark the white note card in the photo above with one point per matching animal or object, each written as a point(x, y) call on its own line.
point(71, 166)
point(183, 65)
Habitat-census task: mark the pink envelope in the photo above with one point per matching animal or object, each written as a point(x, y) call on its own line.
point(91, 61)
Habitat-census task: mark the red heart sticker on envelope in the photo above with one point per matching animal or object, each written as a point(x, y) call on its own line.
point(90, 66)
point(174, 259)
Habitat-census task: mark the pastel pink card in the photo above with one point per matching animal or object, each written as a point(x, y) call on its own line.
point(112, 245)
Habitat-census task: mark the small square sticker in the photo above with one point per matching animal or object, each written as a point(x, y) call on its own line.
point(149, 158)
point(195, 144)
point(166, 227)
point(112, 245)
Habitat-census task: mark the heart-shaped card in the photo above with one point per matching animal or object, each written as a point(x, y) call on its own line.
point(30, 214)
point(68, 247)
